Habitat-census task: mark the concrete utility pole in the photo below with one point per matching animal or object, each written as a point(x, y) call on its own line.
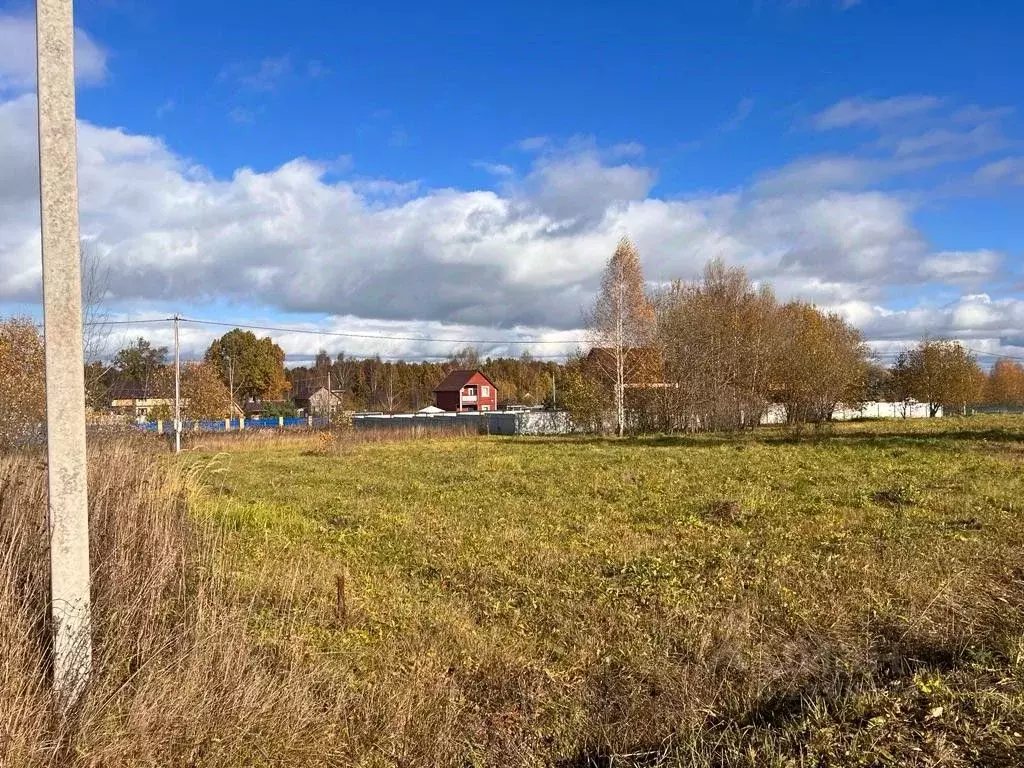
point(177, 389)
point(68, 518)
point(231, 387)
point(554, 394)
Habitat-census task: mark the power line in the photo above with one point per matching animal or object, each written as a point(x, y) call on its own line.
point(979, 352)
point(340, 334)
point(130, 322)
point(429, 339)
point(993, 354)
point(378, 337)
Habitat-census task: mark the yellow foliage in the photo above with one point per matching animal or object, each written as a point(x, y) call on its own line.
point(22, 381)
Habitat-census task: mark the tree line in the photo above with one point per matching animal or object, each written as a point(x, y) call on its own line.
point(710, 354)
point(373, 384)
point(242, 367)
point(719, 352)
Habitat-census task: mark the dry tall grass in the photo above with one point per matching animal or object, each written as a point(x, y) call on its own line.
point(178, 680)
point(321, 440)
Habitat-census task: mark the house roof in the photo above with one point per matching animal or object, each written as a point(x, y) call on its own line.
point(308, 387)
point(456, 380)
point(135, 390)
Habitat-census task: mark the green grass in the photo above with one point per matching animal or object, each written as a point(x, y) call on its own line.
point(851, 598)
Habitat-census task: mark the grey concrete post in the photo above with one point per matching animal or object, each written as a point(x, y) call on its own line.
point(68, 518)
point(177, 390)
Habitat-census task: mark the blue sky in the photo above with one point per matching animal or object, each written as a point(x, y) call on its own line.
point(411, 92)
point(465, 171)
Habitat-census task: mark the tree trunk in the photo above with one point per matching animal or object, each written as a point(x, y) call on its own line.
point(620, 363)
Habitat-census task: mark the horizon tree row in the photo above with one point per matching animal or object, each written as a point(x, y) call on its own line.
point(719, 352)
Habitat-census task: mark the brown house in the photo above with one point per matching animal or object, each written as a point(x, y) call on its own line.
point(136, 399)
point(463, 391)
point(316, 398)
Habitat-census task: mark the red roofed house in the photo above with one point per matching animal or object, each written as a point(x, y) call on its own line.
point(463, 391)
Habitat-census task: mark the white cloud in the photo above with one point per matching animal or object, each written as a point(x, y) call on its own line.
point(974, 114)
point(165, 108)
point(825, 172)
point(385, 188)
point(580, 188)
point(944, 143)
point(533, 143)
point(627, 149)
point(873, 112)
point(18, 55)
point(982, 320)
point(962, 267)
point(495, 169)
point(915, 134)
point(1009, 170)
point(267, 75)
point(858, 238)
point(380, 253)
point(740, 115)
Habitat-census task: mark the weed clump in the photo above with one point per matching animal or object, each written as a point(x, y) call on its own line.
point(723, 512)
point(898, 497)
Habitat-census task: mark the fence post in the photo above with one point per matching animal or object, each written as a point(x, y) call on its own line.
point(309, 420)
point(241, 423)
point(159, 426)
point(280, 422)
point(227, 425)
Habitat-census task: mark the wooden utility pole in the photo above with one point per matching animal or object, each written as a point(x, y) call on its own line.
point(68, 518)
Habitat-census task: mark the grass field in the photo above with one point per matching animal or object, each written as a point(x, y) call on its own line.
point(852, 598)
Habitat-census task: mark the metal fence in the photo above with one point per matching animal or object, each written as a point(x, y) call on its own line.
point(234, 425)
point(489, 422)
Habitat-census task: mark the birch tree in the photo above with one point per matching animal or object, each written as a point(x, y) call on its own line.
point(621, 325)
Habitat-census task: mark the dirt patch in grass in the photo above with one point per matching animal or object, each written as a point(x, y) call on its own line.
point(895, 498)
point(723, 512)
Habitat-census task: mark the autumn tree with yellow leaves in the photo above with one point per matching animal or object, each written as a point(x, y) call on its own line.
point(939, 372)
point(22, 381)
point(1005, 385)
point(621, 322)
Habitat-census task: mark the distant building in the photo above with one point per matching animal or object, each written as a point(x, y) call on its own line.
point(136, 400)
point(315, 399)
point(466, 391)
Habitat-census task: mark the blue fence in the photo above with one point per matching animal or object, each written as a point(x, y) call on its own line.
point(234, 425)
